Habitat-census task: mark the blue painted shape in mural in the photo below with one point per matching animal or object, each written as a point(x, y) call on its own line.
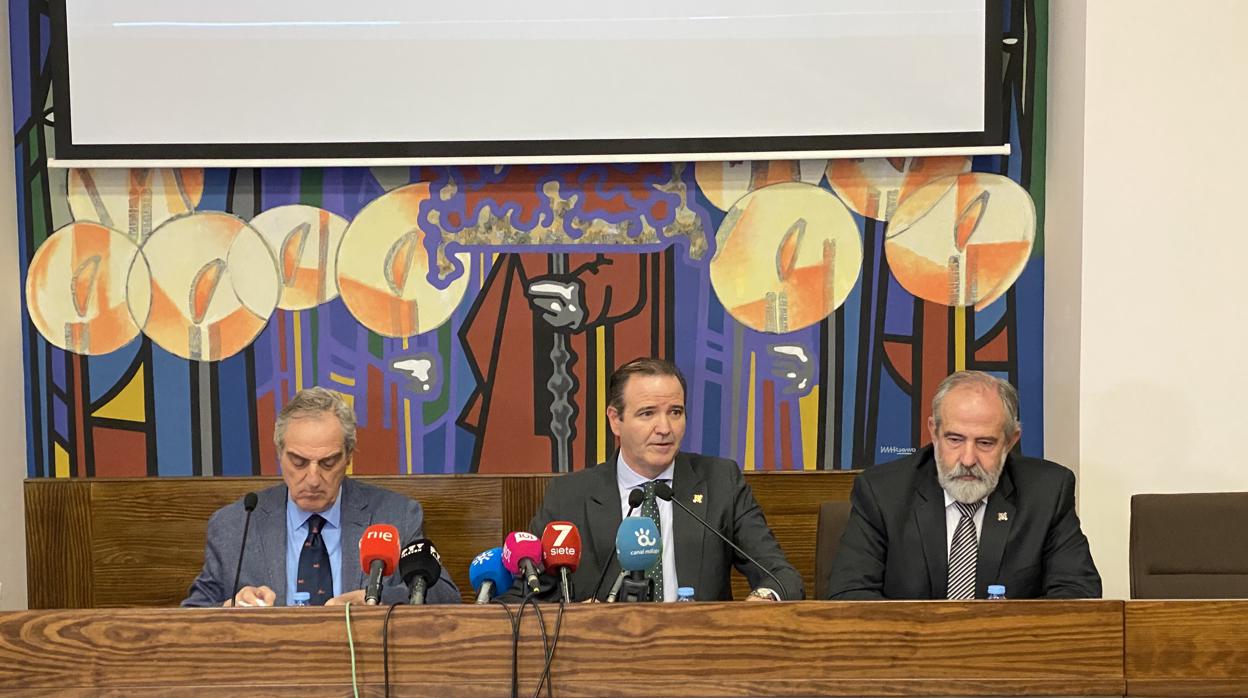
point(1028, 293)
point(19, 53)
point(433, 455)
point(58, 368)
point(852, 312)
point(899, 317)
point(172, 413)
point(892, 431)
point(60, 417)
point(712, 407)
point(107, 369)
point(987, 318)
point(279, 186)
point(465, 443)
point(216, 190)
point(233, 420)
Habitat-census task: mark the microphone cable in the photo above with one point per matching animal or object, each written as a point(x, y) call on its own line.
point(550, 657)
point(541, 623)
point(515, 645)
point(355, 684)
point(385, 648)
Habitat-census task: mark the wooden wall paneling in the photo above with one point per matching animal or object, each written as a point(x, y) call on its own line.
point(58, 545)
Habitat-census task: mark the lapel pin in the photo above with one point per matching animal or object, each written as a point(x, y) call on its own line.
point(1003, 516)
point(697, 499)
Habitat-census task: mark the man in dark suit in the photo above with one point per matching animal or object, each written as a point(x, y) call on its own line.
point(646, 411)
point(305, 533)
point(964, 513)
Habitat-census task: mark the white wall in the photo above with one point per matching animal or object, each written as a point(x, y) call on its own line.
point(12, 381)
point(1151, 182)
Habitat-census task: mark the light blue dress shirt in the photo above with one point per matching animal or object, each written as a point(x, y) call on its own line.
point(297, 533)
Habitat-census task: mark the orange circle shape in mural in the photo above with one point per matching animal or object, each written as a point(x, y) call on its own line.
point(875, 187)
point(208, 287)
point(137, 201)
point(969, 246)
point(383, 268)
point(76, 289)
point(786, 256)
point(304, 240)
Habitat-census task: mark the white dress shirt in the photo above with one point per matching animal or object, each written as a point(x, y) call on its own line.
point(628, 480)
point(953, 516)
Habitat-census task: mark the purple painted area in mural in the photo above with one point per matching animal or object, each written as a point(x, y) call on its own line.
point(60, 418)
point(899, 316)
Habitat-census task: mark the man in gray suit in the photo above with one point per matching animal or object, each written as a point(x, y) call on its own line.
point(646, 411)
point(305, 533)
point(964, 512)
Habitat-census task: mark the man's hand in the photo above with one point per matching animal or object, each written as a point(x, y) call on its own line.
point(356, 597)
point(763, 594)
point(252, 596)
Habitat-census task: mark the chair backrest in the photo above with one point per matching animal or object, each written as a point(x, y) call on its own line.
point(832, 519)
point(1189, 546)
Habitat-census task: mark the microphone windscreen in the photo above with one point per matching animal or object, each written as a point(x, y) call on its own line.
point(380, 542)
point(249, 501)
point(488, 567)
point(561, 545)
point(635, 498)
point(420, 559)
point(638, 543)
point(663, 491)
point(521, 545)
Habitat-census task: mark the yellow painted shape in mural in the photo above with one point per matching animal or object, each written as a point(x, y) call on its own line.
point(809, 407)
point(136, 201)
point(751, 397)
point(304, 240)
point(60, 458)
point(76, 289)
point(786, 257)
point(962, 241)
point(389, 292)
point(128, 405)
point(208, 287)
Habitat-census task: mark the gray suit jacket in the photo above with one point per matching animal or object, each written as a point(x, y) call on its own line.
point(264, 562)
point(895, 545)
point(591, 500)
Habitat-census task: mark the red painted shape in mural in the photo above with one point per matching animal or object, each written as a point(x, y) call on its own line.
point(119, 452)
point(266, 418)
point(899, 356)
point(769, 425)
point(377, 450)
point(513, 431)
point(997, 349)
point(786, 437)
point(936, 364)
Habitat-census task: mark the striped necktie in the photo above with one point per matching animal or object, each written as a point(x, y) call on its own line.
point(963, 552)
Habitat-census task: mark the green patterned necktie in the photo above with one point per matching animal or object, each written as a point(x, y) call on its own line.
point(650, 507)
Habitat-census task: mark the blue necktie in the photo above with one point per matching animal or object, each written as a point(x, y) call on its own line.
point(315, 576)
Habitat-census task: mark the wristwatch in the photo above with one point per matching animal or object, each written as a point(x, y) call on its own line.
point(765, 593)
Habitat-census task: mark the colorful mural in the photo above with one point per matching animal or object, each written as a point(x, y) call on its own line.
point(473, 314)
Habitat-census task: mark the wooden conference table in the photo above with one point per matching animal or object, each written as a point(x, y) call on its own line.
point(701, 649)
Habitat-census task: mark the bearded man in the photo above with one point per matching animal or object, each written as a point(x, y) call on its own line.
point(965, 513)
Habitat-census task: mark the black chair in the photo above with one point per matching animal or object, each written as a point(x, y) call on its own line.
point(1189, 546)
point(832, 519)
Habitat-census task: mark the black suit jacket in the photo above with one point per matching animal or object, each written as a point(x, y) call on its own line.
point(895, 544)
point(591, 500)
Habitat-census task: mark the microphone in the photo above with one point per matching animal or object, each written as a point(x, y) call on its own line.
point(249, 505)
point(379, 554)
point(635, 498)
point(488, 575)
point(639, 546)
point(664, 491)
point(561, 550)
point(420, 566)
point(522, 552)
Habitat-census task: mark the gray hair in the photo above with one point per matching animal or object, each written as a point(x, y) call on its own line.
point(311, 402)
point(1005, 391)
